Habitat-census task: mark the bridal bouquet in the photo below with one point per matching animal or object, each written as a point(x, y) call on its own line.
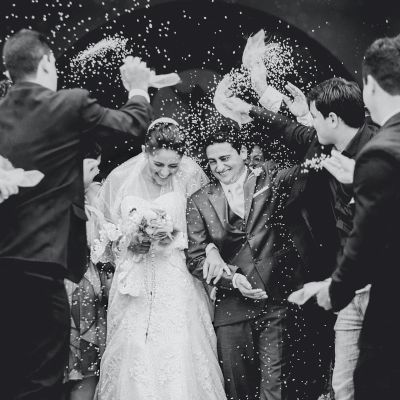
point(149, 224)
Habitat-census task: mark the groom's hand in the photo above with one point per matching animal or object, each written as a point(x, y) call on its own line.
point(214, 266)
point(245, 288)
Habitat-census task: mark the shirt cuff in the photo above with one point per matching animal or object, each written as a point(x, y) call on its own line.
point(139, 92)
point(234, 277)
point(271, 99)
point(306, 120)
point(209, 247)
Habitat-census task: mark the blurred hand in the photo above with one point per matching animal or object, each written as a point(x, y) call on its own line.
point(323, 298)
point(298, 106)
point(258, 76)
point(135, 74)
point(142, 247)
point(165, 241)
point(340, 166)
point(6, 190)
point(5, 164)
point(214, 266)
point(245, 288)
point(236, 105)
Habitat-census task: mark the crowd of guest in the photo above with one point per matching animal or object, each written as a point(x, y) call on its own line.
point(275, 283)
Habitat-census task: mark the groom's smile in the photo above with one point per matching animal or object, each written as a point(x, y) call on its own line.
point(225, 162)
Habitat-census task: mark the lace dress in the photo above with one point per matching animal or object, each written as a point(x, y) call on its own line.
point(161, 343)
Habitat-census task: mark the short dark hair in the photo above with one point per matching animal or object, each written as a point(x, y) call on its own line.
point(22, 53)
point(382, 62)
point(165, 135)
point(224, 134)
point(342, 97)
point(92, 150)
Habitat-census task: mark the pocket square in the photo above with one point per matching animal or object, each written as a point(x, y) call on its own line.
point(260, 191)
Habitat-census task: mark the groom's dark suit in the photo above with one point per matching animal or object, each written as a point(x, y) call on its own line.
point(42, 230)
point(252, 334)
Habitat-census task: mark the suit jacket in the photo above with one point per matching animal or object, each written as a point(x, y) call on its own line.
point(265, 251)
point(325, 202)
point(371, 254)
point(43, 228)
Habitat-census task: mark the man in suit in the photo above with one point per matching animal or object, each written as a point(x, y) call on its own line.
point(371, 251)
point(338, 122)
point(42, 232)
point(243, 218)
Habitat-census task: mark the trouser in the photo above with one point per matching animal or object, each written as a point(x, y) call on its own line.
point(347, 332)
point(253, 356)
point(377, 374)
point(34, 336)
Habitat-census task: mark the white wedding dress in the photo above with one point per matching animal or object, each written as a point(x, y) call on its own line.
point(161, 343)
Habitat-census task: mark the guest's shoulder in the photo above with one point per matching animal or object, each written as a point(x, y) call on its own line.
point(76, 94)
point(383, 146)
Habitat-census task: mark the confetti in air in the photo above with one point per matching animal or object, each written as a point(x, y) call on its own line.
point(314, 163)
point(115, 44)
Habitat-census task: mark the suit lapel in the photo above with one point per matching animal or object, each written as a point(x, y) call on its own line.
point(219, 202)
point(257, 190)
point(249, 187)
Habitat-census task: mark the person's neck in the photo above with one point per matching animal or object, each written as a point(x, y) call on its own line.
point(345, 137)
point(388, 108)
point(39, 80)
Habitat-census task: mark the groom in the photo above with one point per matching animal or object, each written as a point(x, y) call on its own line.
point(244, 217)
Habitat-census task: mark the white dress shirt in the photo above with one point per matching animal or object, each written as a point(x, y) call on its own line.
point(234, 194)
point(139, 92)
point(272, 100)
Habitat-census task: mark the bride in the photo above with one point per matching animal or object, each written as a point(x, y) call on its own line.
point(160, 340)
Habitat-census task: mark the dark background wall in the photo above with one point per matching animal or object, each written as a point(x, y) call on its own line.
point(201, 40)
point(344, 27)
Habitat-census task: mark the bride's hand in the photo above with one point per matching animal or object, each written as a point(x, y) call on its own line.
point(142, 247)
point(165, 241)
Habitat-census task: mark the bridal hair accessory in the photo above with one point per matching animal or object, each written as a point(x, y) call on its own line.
point(162, 120)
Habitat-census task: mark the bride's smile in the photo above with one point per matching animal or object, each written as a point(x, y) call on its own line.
point(162, 164)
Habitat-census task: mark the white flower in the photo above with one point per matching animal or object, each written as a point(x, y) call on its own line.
point(149, 214)
point(112, 232)
point(257, 171)
point(97, 250)
point(314, 163)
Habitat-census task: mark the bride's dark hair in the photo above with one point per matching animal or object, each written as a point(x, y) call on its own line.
point(165, 135)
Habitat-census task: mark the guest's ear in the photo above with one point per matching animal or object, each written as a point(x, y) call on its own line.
point(372, 83)
point(143, 148)
point(7, 74)
point(44, 64)
point(334, 119)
